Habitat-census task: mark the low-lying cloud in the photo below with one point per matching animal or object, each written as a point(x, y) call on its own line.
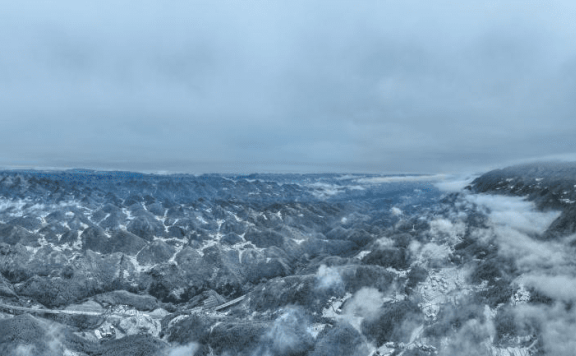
point(184, 350)
point(514, 212)
point(329, 278)
point(545, 267)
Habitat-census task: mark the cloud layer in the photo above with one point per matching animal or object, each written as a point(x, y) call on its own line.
point(251, 86)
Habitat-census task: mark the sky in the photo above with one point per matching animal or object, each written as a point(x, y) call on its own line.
point(286, 86)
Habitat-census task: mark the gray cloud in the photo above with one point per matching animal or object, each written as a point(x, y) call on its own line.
point(251, 86)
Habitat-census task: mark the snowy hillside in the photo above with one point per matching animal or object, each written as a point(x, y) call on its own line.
point(118, 263)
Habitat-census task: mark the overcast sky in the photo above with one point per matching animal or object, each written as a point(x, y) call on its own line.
point(283, 86)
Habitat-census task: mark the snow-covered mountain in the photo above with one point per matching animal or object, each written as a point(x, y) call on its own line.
point(120, 263)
